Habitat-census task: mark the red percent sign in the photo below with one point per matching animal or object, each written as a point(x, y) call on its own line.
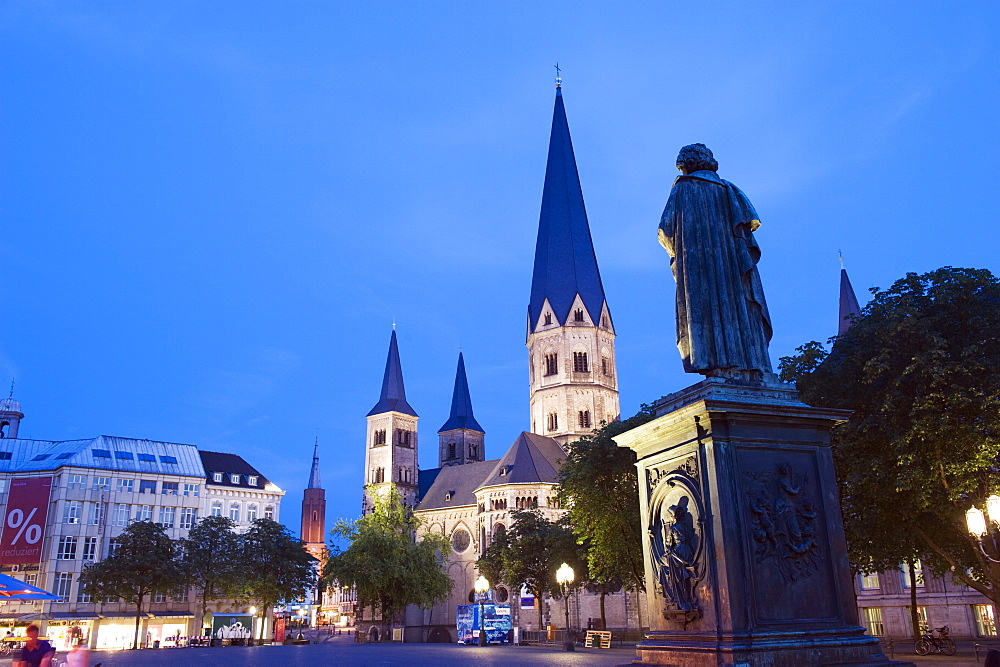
point(24, 525)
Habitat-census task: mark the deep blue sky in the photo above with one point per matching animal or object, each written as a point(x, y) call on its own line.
point(211, 213)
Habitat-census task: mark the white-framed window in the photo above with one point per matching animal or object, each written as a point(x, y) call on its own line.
point(67, 548)
point(189, 516)
point(251, 513)
point(96, 514)
point(167, 516)
point(77, 482)
point(102, 484)
point(873, 621)
point(921, 619)
point(143, 512)
point(3, 486)
point(180, 597)
point(234, 512)
point(159, 598)
point(63, 582)
point(113, 547)
point(918, 569)
point(121, 515)
point(125, 485)
point(986, 625)
point(72, 511)
point(217, 477)
point(32, 579)
point(252, 480)
point(216, 508)
point(90, 548)
point(269, 512)
point(234, 478)
point(83, 598)
point(869, 581)
point(192, 490)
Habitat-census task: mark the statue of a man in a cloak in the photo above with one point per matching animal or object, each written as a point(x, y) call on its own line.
point(723, 327)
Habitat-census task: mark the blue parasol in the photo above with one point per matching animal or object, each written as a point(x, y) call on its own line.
point(15, 589)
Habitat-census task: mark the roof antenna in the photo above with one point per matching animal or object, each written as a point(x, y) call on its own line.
point(841, 253)
point(558, 76)
point(11, 395)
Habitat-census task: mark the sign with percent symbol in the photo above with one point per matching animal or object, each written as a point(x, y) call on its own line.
point(24, 524)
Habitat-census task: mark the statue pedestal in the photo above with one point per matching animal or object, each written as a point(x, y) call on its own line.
point(746, 562)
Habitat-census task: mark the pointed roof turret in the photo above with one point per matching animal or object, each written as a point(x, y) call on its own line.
point(393, 398)
point(848, 303)
point(565, 263)
point(461, 403)
point(314, 482)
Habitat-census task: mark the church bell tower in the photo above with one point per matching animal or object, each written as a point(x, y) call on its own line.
point(571, 338)
point(313, 531)
point(391, 451)
point(461, 438)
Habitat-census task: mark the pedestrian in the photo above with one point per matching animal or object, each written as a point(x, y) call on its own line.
point(992, 659)
point(36, 652)
point(78, 656)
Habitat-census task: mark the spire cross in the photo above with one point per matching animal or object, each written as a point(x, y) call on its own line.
point(558, 76)
point(11, 395)
point(841, 253)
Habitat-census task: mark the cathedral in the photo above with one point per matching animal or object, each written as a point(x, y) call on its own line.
point(573, 390)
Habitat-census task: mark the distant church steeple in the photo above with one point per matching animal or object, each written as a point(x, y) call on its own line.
point(571, 339)
point(313, 531)
point(461, 438)
point(10, 415)
point(391, 452)
point(848, 302)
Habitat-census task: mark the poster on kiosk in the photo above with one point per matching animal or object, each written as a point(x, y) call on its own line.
point(24, 521)
point(498, 623)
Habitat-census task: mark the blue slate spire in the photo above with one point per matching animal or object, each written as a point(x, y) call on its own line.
point(848, 303)
point(393, 396)
point(461, 403)
point(314, 473)
point(565, 263)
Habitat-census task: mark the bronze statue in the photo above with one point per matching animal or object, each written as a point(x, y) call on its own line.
point(723, 327)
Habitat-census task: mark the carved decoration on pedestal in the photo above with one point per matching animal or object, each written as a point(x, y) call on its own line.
point(676, 537)
point(784, 522)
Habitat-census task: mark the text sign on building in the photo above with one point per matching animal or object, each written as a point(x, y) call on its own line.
point(24, 523)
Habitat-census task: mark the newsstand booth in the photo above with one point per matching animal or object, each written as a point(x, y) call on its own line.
point(498, 623)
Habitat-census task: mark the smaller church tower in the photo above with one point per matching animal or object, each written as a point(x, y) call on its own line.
point(849, 307)
point(461, 439)
point(313, 531)
point(10, 415)
point(391, 451)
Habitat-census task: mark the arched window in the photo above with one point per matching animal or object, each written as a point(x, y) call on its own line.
point(606, 366)
point(553, 421)
point(472, 451)
point(584, 418)
point(216, 508)
point(578, 315)
point(580, 362)
point(451, 450)
point(548, 318)
point(551, 363)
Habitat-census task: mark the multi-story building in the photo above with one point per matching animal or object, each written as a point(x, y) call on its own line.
point(66, 502)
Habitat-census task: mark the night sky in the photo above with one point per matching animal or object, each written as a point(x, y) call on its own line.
point(212, 213)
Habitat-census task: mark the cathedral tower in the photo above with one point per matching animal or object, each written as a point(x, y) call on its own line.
point(461, 438)
point(391, 452)
point(571, 339)
point(313, 531)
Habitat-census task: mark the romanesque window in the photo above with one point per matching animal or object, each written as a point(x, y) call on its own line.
point(578, 315)
point(403, 438)
point(472, 451)
point(605, 365)
point(604, 321)
point(553, 421)
point(451, 450)
point(548, 318)
point(584, 418)
point(580, 362)
point(378, 438)
point(551, 364)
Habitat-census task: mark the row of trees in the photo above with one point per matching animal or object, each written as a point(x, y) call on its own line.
point(265, 565)
point(920, 369)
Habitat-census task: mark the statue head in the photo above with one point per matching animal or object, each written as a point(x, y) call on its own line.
point(696, 157)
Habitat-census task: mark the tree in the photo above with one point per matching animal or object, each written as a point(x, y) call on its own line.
point(921, 371)
point(388, 567)
point(530, 551)
point(276, 565)
point(210, 557)
point(143, 563)
point(599, 485)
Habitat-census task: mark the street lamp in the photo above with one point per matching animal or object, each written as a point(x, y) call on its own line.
point(979, 527)
point(564, 577)
point(253, 617)
point(482, 588)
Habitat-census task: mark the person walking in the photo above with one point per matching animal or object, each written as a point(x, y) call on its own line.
point(36, 652)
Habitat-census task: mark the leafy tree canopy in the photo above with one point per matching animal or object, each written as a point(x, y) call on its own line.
point(530, 551)
point(384, 562)
point(275, 564)
point(921, 371)
point(211, 559)
point(599, 485)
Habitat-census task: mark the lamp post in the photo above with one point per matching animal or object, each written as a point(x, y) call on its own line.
point(564, 577)
point(979, 528)
point(482, 587)
point(253, 617)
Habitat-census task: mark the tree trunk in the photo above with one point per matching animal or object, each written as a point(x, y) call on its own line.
point(914, 616)
point(604, 618)
point(138, 618)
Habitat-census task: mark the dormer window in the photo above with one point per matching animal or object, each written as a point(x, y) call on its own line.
point(548, 318)
point(217, 477)
point(447, 496)
point(252, 480)
point(503, 471)
point(578, 315)
point(235, 479)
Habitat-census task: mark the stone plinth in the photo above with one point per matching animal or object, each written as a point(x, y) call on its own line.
point(746, 562)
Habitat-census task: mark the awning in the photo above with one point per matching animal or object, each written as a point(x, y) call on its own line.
point(74, 616)
point(122, 614)
point(171, 614)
